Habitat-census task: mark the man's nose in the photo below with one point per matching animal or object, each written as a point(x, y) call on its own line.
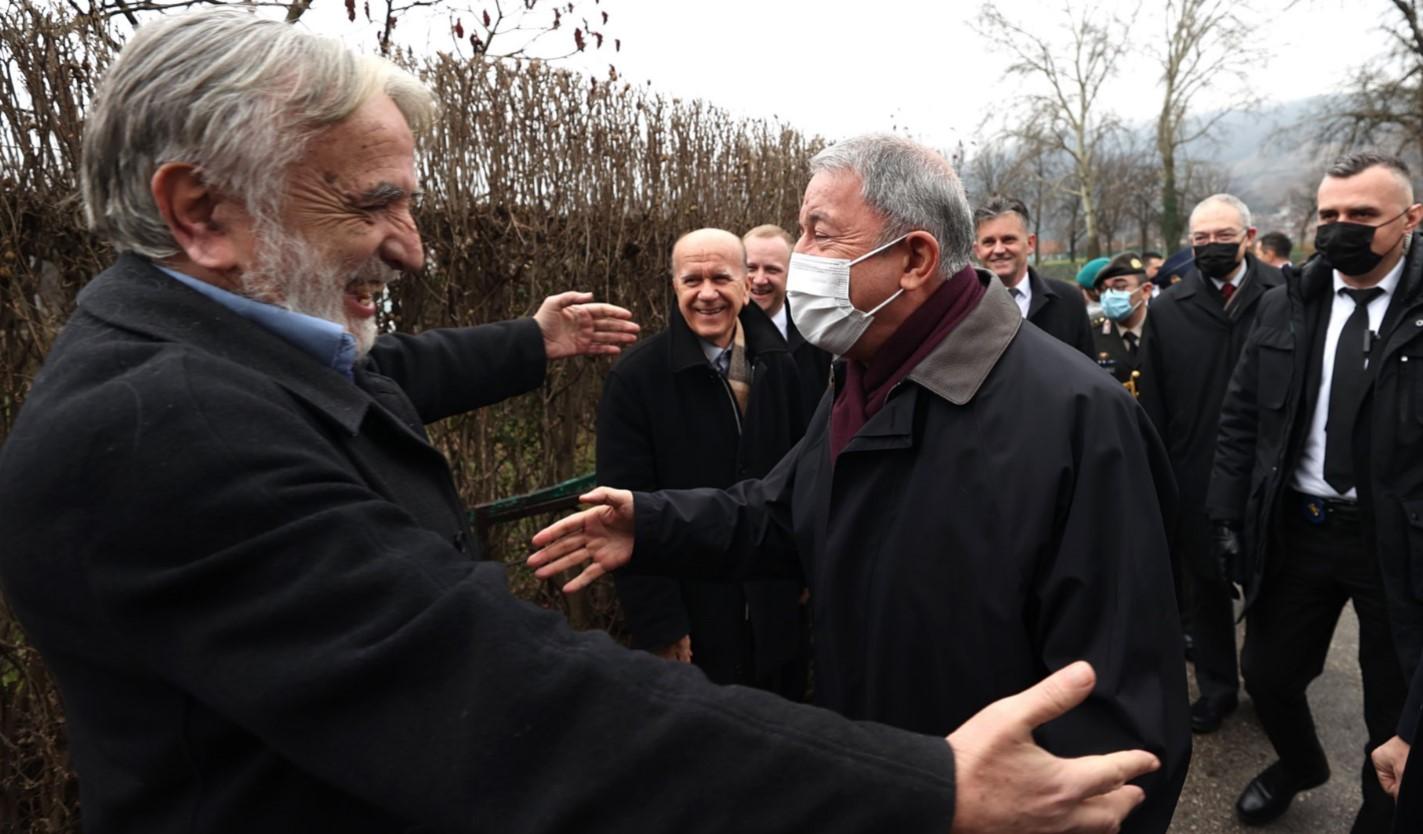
point(402, 249)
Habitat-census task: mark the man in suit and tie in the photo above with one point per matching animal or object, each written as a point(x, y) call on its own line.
point(768, 256)
point(1123, 288)
point(1002, 243)
point(1198, 327)
point(1317, 489)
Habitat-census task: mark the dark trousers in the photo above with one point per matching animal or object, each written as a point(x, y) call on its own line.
point(1316, 569)
point(1212, 624)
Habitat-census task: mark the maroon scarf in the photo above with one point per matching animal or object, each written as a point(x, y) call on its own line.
point(867, 387)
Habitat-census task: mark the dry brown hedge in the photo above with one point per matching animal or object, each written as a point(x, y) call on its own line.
point(536, 181)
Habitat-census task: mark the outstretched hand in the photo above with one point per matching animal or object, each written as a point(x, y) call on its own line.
point(1005, 782)
point(602, 535)
point(573, 326)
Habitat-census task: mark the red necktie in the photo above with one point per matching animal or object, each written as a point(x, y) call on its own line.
point(1227, 290)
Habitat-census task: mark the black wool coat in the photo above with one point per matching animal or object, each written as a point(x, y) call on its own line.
point(1058, 309)
point(667, 420)
point(812, 364)
point(1190, 349)
point(1262, 433)
point(244, 573)
point(959, 548)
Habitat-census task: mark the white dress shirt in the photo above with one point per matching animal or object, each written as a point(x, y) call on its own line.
point(1022, 293)
point(1309, 475)
point(779, 320)
point(1233, 278)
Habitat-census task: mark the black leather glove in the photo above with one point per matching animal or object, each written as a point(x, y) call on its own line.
point(1225, 547)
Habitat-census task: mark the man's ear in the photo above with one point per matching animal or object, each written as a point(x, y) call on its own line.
point(212, 230)
point(923, 261)
point(1415, 214)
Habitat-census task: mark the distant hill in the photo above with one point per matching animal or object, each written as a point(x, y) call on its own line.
point(1266, 152)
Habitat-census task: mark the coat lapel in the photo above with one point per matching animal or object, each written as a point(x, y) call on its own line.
point(135, 295)
point(1042, 293)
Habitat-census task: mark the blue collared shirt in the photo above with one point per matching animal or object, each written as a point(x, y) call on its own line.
point(325, 340)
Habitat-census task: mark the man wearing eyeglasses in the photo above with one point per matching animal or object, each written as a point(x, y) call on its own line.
point(1198, 327)
point(1318, 484)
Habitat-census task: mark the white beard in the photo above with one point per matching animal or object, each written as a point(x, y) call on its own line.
point(290, 273)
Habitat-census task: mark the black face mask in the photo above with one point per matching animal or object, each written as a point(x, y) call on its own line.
point(1217, 260)
point(1348, 247)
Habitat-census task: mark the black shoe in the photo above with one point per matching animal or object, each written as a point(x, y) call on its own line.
point(1207, 713)
point(1269, 794)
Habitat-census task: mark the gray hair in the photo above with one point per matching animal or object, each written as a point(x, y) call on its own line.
point(1224, 199)
point(232, 94)
point(911, 187)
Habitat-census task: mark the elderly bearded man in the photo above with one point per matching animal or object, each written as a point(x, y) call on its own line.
point(945, 508)
point(244, 567)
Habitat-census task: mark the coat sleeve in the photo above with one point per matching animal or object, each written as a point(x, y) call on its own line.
point(656, 615)
point(261, 577)
point(1235, 439)
point(454, 370)
point(741, 533)
point(1117, 547)
point(1412, 708)
point(1153, 389)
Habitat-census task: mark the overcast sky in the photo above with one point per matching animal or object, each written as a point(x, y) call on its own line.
point(837, 68)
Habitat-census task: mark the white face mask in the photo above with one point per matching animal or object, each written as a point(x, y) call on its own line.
point(818, 290)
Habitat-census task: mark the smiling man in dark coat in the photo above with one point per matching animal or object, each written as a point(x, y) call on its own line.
point(245, 565)
point(1198, 327)
point(711, 400)
point(1002, 243)
point(945, 506)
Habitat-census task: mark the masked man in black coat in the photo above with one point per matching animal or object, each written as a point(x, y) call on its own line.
point(945, 504)
point(247, 568)
point(1318, 468)
point(1002, 243)
point(1198, 327)
point(710, 401)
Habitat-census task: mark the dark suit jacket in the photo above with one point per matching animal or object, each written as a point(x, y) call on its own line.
point(1058, 309)
point(667, 421)
point(244, 573)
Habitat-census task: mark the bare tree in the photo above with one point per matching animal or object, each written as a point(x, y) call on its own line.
point(1206, 47)
point(1066, 110)
point(1382, 105)
point(517, 25)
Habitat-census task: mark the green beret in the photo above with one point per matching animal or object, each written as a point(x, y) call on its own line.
point(1087, 275)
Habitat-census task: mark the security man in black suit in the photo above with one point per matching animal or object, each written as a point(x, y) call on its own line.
point(1124, 289)
point(1198, 327)
point(1002, 243)
point(1317, 485)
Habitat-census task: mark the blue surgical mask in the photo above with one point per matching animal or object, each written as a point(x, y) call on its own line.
point(1117, 306)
